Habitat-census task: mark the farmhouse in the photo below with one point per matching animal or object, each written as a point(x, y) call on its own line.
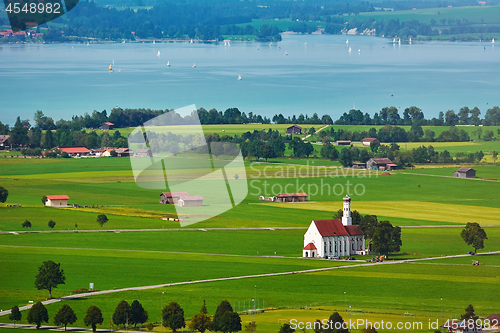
point(334, 237)
point(465, 173)
point(172, 197)
point(368, 141)
point(294, 129)
point(190, 201)
point(143, 153)
point(494, 320)
point(122, 152)
point(380, 164)
point(57, 201)
point(4, 141)
point(291, 197)
point(107, 126)
point(75, 150)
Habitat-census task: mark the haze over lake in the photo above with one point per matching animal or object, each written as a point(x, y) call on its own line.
point(301, 74)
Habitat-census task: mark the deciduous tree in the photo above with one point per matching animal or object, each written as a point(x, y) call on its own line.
point(26, 224)
point(173, 316)
point(49, 276)
point(137, 313)
point(3, 194)
point(93, 317)
point(474, 235)
point(386, 238)
point(65, 316)
point(51, 224)
point(102, 219)
point(286, 328)
point(122, 316)
point(38, 314)
point(335, 324)
point(15, 314)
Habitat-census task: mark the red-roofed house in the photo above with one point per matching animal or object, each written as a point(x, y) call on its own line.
point(334, 237)
point(75, 150)
point(4, 141)
point(107, 126)
point(57, 201)
point(291, 197)
point(172, 197)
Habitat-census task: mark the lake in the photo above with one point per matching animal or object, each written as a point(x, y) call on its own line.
point(301, 74)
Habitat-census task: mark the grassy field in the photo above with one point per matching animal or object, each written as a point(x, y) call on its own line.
point(128, 259)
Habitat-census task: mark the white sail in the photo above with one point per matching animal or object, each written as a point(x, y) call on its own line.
point(347, 41)
point(158, 54)
point(239, 77)
point(168, 63)
point(194, 65)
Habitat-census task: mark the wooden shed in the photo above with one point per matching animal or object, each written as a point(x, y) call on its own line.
point(57, 201)
point(465, 173)
point(190, 201)
point(172, 197)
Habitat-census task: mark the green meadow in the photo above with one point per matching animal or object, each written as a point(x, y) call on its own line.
point(427, 203)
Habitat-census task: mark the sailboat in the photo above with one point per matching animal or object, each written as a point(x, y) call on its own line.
point(305, 44)
point(399, 41)
point(394, 41)
point(154, 42)
point(88, 43)
point(349, 49)
point(191, 41)
point(158, 54)
point(493, 41)
point(271, 44)
point(194, 65)
point(347, 41)
point(239, 77)
point(123, 41)
point(410, 40)
point(168, 63)
point(359, 51)
point(286, 53)
point(111, 68)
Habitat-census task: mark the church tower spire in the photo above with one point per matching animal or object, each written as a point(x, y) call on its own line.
point(346, 216)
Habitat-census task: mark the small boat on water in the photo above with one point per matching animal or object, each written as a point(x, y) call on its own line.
point(111, 68)
point(239, 77)
point(194, 65)
point(347, 41)
point(158, 54)
point(393, 40)
point(349, 49)
point(286, 53)
point(154, 42)
point(410, 40)
point(493, 41)
point(359, 51)
point(168, 63)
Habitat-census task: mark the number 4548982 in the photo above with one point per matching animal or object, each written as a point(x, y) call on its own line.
point(33, 8)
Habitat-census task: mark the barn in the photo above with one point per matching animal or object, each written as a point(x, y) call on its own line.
point(294, 129)
point(380, 164)
point(368, 141)
point(190, 201)
point(465, 173)
point(107, 126)
point(57, 200)
point(172, 197)
point(291, 197)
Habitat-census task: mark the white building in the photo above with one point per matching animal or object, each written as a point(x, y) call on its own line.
point(334, 237)
point(57, 200)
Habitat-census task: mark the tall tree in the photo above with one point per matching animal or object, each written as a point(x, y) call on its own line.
point(65, 316)
point(19, 133)
point(38, 314)
point(102, 219)
point(368, 225)
point(286, 328)
point(48, 140)
point(201, 321)
point(223, 308)
point(3, 194)
point(345, 157)
point(386, 238)
point(122, 316)
point(474, 235)
point(49, 276)
point(469, 314)
point(230, 322)
point(93, 317)
point(173, 316)
point(15, 314)
point(137, 313)
point(335, 324)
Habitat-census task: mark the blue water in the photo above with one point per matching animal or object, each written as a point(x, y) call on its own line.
point(322, 76)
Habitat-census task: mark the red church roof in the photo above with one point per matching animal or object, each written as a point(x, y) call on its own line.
point(334, 227)
point(310, 246)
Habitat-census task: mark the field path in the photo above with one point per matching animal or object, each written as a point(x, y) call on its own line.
point(308, 135)
point(441, 176)
point(26, 307)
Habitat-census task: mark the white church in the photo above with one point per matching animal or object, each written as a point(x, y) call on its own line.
point(334, 237)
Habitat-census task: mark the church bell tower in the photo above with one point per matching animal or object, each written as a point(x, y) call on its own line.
point(346, 216)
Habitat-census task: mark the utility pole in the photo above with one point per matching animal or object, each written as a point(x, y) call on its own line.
point(161, 325)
